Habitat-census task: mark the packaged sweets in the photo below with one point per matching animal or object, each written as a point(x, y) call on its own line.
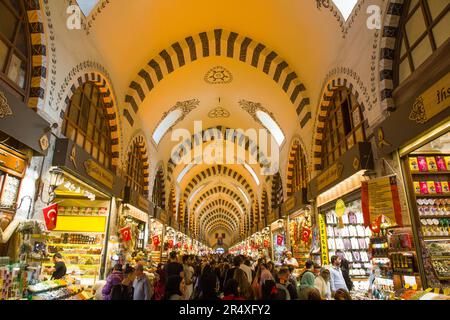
point(440, 162)
point(423, 187)
point(431, 162)
point(438, 186)
point(423, 166)
point(417, 187)
point(445, 187)
point(431, 187)
point(447, 162)
point(413, 164)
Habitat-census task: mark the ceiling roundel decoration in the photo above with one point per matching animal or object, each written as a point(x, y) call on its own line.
point(218, 75)
point(219, 112)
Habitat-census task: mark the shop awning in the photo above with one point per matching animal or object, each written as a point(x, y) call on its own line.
point(20, 122)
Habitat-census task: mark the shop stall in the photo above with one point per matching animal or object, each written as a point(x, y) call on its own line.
point(423, 155)
point(343, 229)
point(17, 149)
point(155, 242)
point(279, 241)
point(82, 195)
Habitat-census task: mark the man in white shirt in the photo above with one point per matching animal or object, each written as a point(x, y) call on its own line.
point(246, 268)
point(336, 278)
point(290, 260)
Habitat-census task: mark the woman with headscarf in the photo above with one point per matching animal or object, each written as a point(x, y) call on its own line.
point(322, 283)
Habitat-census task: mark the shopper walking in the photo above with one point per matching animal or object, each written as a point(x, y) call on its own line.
point(307, 280)
point(159, 283)
point(188, 272)
point(115, 278)
point(244, 287)
point(345, 270)
point(237, 261)
point(245, 266)
point(173, 267)
point(174, 288)
point(124, 290)
point(283, 280)
point(337, 280)
point(232, 291)
point(322, 283)
point(143, 290)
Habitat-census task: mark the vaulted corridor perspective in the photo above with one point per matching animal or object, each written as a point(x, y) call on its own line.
point(312, 136)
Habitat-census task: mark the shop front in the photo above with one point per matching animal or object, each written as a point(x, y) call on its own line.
point(300, 221)
point(82, 195)
point(18, 148)
point(155, 240)
point(422, 154)
point(337, 193)
point(134, 216)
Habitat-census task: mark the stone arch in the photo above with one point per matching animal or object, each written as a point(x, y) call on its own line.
point(108, 101)
point(139, 140)
point(388, 48)
point(219, 190)
point(335, 82)
point(159, 183)
point(223, 43)
point(39, 64)
point(296, 146)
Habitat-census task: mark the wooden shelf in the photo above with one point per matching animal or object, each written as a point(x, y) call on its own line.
point(440, 257)
point(443, 238)
point(435, 217)
point(433, 195)
point(74, 245)
point(429, 172)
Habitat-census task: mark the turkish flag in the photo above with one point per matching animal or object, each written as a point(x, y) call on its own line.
point(266, 243)
point(50, 216)
point(305, 234)
point(155, 241)
point(126, 234)
point(179, 244)
point(170, 242)
point(280, 239)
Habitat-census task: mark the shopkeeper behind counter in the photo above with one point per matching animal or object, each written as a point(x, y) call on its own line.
point(59, 270)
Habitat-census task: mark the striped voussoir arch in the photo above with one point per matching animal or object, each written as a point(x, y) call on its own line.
point(264, 205)
point(228, 134)
point(292, 162)
point(277, 191)
point(161, 183)
point(223, 43)
point(108, 102)
point(221, 204)
point(215, 171)
point(391, 32)
point(325, 103)
point(218, 226)
point(38, 53)
point(218, 214)
point(139, 141)
point(219, 190)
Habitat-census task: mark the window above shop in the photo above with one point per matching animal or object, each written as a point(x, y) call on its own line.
point(271, 125)
point(345, 7)
point(87, 6)
point(166, 124)
point(424, 29)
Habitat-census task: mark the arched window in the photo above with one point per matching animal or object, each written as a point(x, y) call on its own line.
point(158, 189)
point(425, 28)
point(299, 178)
point(343, 126)
point(85, 123)
point(135, 176)
point(277, 192)
point(15, 51)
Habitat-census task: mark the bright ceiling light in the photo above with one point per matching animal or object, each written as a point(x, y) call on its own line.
point(166, 124)
point(252, 172)
point(184, 171)
point(243, 193)
point(271, 125)
point(345, 7)
point(87, 6)
point(196, 192)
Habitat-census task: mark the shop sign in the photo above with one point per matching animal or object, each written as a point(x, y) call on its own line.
point(330, 175)
point(11, 162)
point(323, 240)
point(143, 202)
point(163, 216)
point(380, 197)
point(95, 171)
point(340, 208)
point(432, 101)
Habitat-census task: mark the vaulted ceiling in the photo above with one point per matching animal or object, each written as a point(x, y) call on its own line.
point(208, 57)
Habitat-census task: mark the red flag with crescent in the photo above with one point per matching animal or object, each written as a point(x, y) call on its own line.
point(156, 240)
point(266, 243)
point(306, 233)
point(50, 216)
point(126, 234)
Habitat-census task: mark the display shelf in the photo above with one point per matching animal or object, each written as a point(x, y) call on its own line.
point(76, 265)
point(440, 257)
point(433, 195)
point(429, 172)
point(434, 216)
point(74, 245)
point(436, 238)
